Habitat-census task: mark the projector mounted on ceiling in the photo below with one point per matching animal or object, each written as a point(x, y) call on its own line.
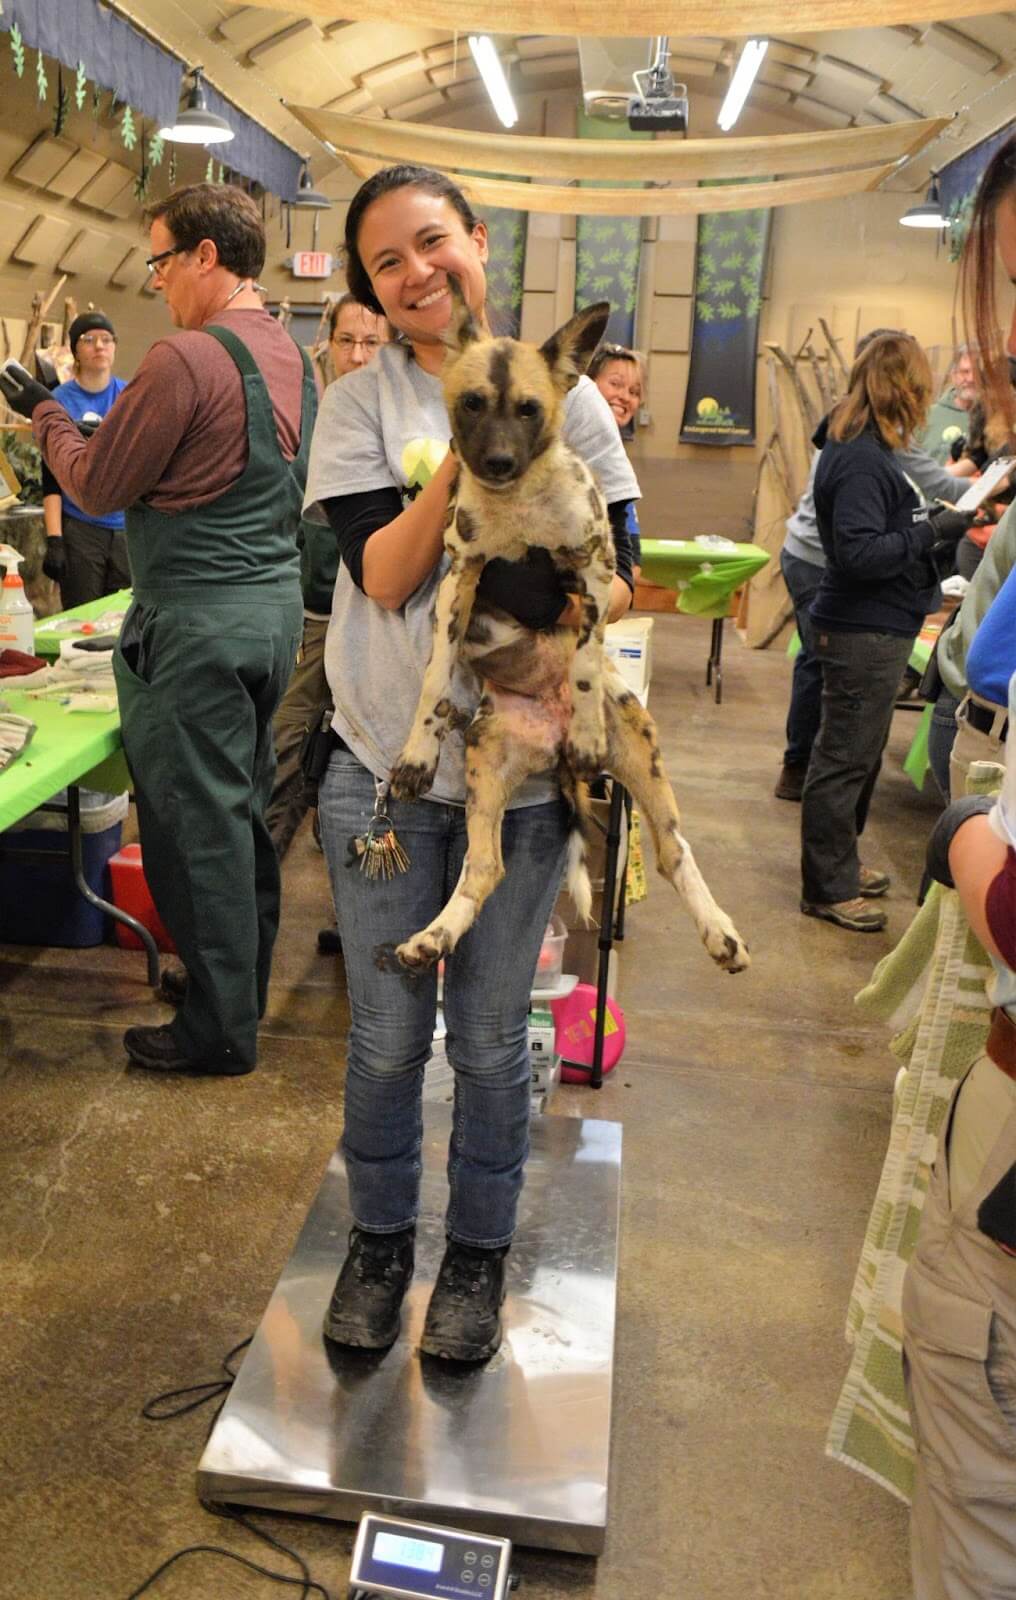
point(661, 106)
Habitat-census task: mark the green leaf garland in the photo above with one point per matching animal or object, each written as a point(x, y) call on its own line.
point(128, 132)
point(156, 150)
point(18, 50)
point(41, 78)
point(80, 86)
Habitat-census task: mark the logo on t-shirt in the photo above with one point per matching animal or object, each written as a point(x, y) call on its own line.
point(420, 460)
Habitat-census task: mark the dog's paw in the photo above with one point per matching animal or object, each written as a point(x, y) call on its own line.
point(726, 946)
point(412, 779)
point(425, 949)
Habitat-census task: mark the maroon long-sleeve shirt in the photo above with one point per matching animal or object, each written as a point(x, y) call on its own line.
point(176, 437)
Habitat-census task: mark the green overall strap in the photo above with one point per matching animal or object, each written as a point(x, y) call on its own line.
point(257, 391)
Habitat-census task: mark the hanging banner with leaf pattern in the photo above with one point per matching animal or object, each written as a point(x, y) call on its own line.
point(608, 250)
point(506, 232)
point(730, 262)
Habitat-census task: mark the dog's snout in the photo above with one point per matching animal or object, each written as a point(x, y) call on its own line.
point(498, 464)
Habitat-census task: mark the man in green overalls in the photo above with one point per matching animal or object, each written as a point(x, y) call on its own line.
point(207, 449)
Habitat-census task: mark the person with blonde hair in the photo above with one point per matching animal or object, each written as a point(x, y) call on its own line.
point(619, 374)
point(883, 553)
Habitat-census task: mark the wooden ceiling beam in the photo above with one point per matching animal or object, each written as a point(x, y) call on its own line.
point(598, 19)
point(558, 200)
point(690, 160)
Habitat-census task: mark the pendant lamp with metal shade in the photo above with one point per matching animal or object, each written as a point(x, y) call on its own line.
point(196, 124)
point(307, 198)
point(928, 214)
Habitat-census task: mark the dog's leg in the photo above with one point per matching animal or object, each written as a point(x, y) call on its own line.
point(633, 757)
point(413, 773)
point(497, 761)
point(586, 743)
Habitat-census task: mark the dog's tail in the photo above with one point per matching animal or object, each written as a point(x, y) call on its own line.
point(577, 879)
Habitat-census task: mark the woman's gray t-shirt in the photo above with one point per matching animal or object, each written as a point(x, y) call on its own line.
point(385, 426)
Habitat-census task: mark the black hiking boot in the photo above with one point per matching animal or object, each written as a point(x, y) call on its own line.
point(365, 1310)
point(790, 783)
point(464, 1316)
point(155, 1049)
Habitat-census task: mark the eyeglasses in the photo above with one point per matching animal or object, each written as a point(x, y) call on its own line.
point(97, 339)
point(345, 341)
point(153, 263)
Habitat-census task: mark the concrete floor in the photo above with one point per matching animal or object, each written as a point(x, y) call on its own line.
point(146, 1220)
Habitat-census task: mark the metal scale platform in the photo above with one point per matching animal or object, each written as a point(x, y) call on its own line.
point(519, 1447)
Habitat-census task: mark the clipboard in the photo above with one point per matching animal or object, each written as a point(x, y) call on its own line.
point(981, 487)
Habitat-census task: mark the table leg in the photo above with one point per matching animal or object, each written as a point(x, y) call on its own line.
point(85, 888)
point(714, 666)
point(623, 894)
point(606, 941)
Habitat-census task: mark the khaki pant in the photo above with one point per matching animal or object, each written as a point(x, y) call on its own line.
point(959, 1344)
point(301, 705)
point(972, 745)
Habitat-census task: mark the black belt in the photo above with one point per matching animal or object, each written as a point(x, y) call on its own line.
point(983, 718)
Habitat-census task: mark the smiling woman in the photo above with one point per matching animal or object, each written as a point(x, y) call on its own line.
point(382, 474)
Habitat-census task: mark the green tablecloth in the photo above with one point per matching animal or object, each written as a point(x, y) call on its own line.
point(67, 747)
point(48, 638)
point(705, 579)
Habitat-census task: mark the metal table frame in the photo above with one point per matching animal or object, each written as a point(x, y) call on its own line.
point(75, 855)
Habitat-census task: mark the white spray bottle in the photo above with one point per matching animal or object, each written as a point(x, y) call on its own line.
point(17, 619)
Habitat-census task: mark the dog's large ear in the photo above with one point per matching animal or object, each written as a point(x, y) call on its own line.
point(569, 351)
point(463, 327)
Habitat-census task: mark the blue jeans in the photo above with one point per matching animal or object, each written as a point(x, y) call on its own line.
point(941, 738)
point(487, 986)
point(802, 579)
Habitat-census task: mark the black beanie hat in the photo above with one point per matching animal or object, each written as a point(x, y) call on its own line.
point(85, 323)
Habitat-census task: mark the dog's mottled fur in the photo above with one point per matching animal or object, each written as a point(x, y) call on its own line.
point(549, 698)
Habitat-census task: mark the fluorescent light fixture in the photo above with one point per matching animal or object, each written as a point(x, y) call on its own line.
point(745, 74)
point(492, 72)
point(196, 124)
point(928, 215)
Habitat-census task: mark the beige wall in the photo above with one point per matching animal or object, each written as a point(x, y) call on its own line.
point(849, 261)
point(102, 246)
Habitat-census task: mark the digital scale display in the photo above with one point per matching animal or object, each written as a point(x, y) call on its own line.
point(395, 1559)
point(403, 1552)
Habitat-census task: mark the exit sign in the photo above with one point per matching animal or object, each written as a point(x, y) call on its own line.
point(312, 264)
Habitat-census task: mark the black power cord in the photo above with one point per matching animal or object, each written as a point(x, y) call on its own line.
point(158, 1409)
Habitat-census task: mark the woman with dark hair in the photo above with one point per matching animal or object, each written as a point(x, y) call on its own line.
point(382, 474)
point(879, 583)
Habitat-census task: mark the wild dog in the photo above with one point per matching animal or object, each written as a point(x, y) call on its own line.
point(548, 698)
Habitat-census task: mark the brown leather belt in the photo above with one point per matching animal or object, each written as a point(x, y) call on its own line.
point(1001, 1045)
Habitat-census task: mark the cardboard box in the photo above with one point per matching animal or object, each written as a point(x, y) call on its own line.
point(628, 644)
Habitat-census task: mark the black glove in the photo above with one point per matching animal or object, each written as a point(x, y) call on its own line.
point(532, 591)
point(55, 563)
point(20, 389)
point(949, 526)
point(946, 829)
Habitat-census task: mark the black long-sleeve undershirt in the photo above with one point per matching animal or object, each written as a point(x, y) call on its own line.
point(354, 517)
